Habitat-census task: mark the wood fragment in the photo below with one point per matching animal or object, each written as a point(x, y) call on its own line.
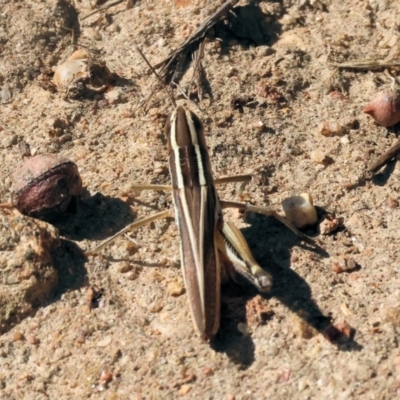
point(198, 70)
point(385, 158)
point(370, 65)
point(182, 51)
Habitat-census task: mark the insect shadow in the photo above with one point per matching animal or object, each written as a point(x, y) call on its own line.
point(248, 25)
point(288, 287)
point(381, 178)
point(97, 217)
point(69, 260)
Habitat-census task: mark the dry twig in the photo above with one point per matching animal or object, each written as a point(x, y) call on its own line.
point(385, 158)
point(177, 54)
point(370, 65)
point(198, 70)
point(113, 3)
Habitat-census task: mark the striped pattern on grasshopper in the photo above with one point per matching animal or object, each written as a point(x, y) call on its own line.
point(205, 237)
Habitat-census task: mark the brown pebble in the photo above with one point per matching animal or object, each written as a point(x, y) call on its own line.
point(332, 333)
point(124, 266)
point(207, 371)
point(303, 330)
point(189, 377)
point(32, 340)
point(393, 315)
point(328, 226)
point(131, 275)
point(155, 306)
point(25, 377)
point(79, 54)
point(105, 376)
point(175, 288)
point(343, 264)
point(104, 342)
point(17, 336)
point(385, 109)
point(331, 128)
point(80, 336)
point(184, 389)
point(392, 203)
point(318, 156)
point(345, 329)
point(46, 185)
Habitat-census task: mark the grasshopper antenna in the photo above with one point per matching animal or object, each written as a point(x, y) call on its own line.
point(155, 73)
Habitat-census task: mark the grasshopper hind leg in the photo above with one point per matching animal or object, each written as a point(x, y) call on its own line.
point(236, 256)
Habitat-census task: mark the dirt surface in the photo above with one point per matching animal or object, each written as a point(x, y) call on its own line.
point(118, 326)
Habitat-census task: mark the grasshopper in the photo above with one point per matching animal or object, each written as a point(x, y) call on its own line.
point(206, 239)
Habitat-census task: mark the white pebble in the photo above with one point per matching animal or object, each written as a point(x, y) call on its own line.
point(300, 211)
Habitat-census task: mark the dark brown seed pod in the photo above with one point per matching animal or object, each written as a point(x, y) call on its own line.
point(46, 186)
point(385, 109)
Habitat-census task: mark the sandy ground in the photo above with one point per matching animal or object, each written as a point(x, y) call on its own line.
point(118, 326)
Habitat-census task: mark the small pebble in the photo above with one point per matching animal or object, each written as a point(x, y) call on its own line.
point(301, 385)
point(93, 34)
point(5, 95)
point(17, 336)
point(385, 109)
point(175, 288)
point(155, 306)
point(393, 315)
point(207, 371)
point(303, 329)
point(105, 376)
point(392, 203)
point(343, 264)
point(80, 336)
point(105, 342)
point(331, 333)
point(345, 328)
point(131, 275)
point(331, 128)
point(344, 140)
point(32, 340)
point(80, 54)
point(114, 28)
point(300, 211)
point(184, 389)
point(124, 266)
point(243, 328)
point(161, 42)
point(263, 51)
point(328, 226)
point(318, 156)
point(66, 72)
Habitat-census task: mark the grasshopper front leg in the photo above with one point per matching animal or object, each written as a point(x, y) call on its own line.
point(129, 228)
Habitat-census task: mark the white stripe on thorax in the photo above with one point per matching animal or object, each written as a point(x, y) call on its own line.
point(178, 166)
point(172, 133)
point(200, 166)
point(192, 128)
